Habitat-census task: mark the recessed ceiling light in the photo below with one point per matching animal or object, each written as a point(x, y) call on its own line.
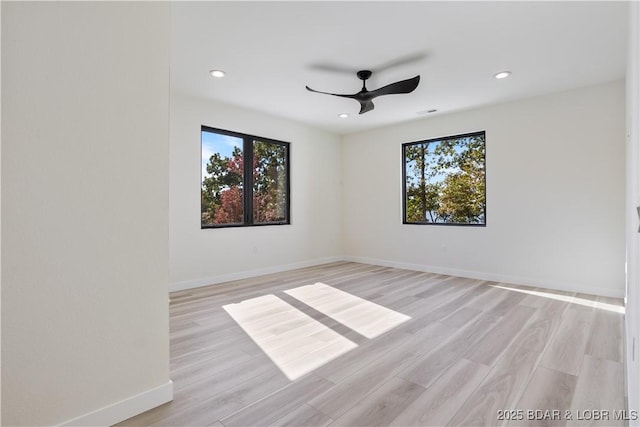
point(343, 115)
point(217, 73)
point(502, 74)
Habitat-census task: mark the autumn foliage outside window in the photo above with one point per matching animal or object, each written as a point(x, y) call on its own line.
point(444, 180)
point(245, 180)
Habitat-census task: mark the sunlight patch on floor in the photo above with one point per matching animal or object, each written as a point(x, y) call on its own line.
point(365, 317)
point(294, 341)
point(567, 298)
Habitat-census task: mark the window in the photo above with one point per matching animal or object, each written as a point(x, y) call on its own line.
point(245, 180)
point(444, 180)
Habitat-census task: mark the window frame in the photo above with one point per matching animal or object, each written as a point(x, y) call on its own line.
point(404, 179)
point(247, 178)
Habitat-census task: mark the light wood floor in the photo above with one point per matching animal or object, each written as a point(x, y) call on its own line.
point(458, 352)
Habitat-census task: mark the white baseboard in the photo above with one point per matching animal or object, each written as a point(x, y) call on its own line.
point(502, 278)
point(127, 408)
point(480, 275)
point(206, 281)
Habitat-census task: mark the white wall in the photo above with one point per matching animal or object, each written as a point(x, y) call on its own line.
point(555, 194)
point(632, 317)
point(84, 211)
point(201, 257)
point(0, 215)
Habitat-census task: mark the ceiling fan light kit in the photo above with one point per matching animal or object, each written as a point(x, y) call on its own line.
point(365, 97)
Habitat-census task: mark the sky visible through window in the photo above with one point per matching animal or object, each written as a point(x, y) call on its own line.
point(217, 143)
point(440, 175)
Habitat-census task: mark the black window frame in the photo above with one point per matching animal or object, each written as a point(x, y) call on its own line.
point(247, 178)
point(404, 180)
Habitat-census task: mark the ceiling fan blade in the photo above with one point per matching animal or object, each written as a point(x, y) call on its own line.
point(366, 106)
point(334, 94)
point(403, 60)
point(403, 86)
point(332, 68)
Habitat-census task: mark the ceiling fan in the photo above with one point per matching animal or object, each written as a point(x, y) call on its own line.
point(365, 97)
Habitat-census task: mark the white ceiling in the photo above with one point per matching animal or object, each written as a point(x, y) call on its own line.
point(271, 50)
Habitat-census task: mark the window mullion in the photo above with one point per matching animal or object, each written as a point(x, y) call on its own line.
point(248, 180)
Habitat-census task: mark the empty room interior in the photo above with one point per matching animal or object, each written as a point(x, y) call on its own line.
point(320, 213)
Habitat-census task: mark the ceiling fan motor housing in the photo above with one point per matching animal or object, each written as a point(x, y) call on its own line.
point(364, 74)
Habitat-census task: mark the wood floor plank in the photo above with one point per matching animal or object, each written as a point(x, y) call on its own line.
point(382, 406)
point(444, 397)
point(461, 317)
point(568, 347)
point(498, 338)
point(348, 364)
point(222, 379)
point(548, 395)
point(504, 305)
point(444, 352)
point(435, 309)
point(599, 387)
point(277, 405)
point(430, 288)
point(428, 369)
point(433, 337)
point(201, 367)
point(605, 341)
point(488, 300)
point(413, 284)
point(337, 400)
point(208, 351)
point(303, 416)
point(219, 338)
